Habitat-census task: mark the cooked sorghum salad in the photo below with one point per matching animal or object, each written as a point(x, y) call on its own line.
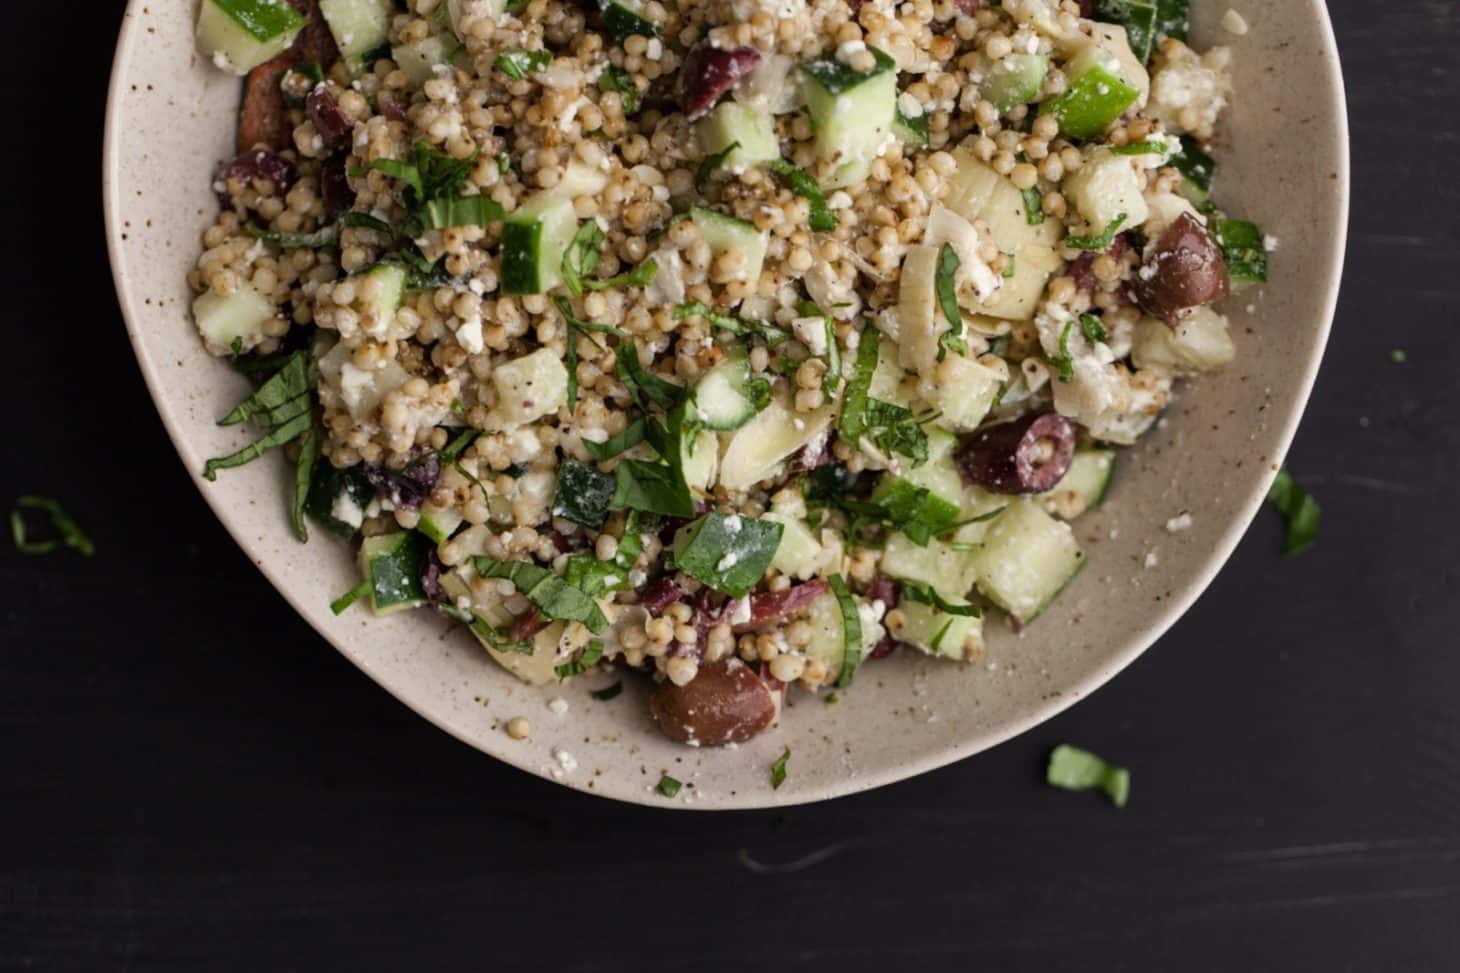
point(738, 342)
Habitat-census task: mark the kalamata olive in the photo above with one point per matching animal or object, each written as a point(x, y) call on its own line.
point(1082, 269)
point(884, 648)
point(709, 72)
point(315, 43)
point(770, 606)
point(258, 164)
point(333, 125)
point(1028, 455)
point(1184, 270)
point(885, 590)
point(726, 702)
point(334, 186)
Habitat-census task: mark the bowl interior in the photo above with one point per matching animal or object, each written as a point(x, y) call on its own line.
point(1283, 161)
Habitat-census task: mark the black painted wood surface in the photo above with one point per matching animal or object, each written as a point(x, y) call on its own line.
point(194, 780)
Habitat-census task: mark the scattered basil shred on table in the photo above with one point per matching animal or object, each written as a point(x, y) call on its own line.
point(739, 344)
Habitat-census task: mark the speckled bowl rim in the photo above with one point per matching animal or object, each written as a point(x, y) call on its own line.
point(1284, 419)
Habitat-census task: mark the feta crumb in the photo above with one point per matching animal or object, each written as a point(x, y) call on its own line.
point(727, 562)
point(1234, 22)
point(347, 511)
point(849, 50)
point(1180, 522)
point(1269, 242)
point(565, 759)
point(469, 336)
point(558, 705)
point(1151, 559)
point(812, 332)
point(740, 613)
point(732, 524)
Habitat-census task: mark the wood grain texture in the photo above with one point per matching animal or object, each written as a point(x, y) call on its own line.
point(194, 781)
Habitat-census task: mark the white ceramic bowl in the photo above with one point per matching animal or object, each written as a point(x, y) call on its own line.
point(1284, 162)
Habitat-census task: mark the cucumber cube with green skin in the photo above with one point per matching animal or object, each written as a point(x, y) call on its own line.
point(224, 319)
point(753, 133)
point(800, 554)
point(379, 291)
point(1091, 104)
point(1026, 559)
point(438, 523)
point(239, 35)
point(534, 239)
point(392, 564)
point(852, 112)
point(1088, 478)
point(728, 234)
point(358, 26)
point(940, 566)
point(721, 401)
point(420, 59)
point(828, 643)
point(1015, 80)
point(937, 632)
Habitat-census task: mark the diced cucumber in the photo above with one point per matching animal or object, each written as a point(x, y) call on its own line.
point(534, 238)
point(1026, 559)
point(531, 387)
point(1106, 187)
point(1088, 478)
point(1015, 80)
point(727, 234)
point(536, 667)
point(438, 523)
point(752, 132)
point(911, 131)
point(701, 460)
point(946, 570)
point(1127, 65)
point(757, 449)
point(964, 393)
point(939, 633)
point(852, 113)
point(359, 27)
point(721, 400)
point(379, 290)
point(939, 476)
point(1093, 100)
point(239, 35)
point(238, 317)
point(420, 59)
point(800, 554)
point(392, 564)
point(1199, 342)
point(828, 644)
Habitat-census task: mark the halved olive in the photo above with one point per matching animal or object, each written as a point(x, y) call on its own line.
point(1029, 455)
point(726, 702)
point(1184, 270)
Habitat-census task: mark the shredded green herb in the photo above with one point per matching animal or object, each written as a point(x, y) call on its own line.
point(1093, 328)
point(343, 602)
point(632, 435)
point(1100, 242)
point(668, 786)
point(519, 64)
point(773, 335)
point(711, 163)
point(944, 283)
point(608, 692)
point(1033, 206)
point(778, 769)
point(552, 595)
point(282, 408)
point(585, 660)
point(617, 79)
point(1300, 512)
point(822, 219)
point(1065, 362)
point(68, 533)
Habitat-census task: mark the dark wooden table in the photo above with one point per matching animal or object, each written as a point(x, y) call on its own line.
point(194, 780)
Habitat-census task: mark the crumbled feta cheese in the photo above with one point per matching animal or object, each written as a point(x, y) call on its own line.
point(812, 332)
point(1269, 242)
point(909, 105)
point(558, 705)
point(1180, 522)
point(740, 611)
point(727, 562)
point(845, 52)
point(1234, 22)
point(1151, 559)
point(733, 524)
point(565, 759)
point(347, 511)
point(469, 336)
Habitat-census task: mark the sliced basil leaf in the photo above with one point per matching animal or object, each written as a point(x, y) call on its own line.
point(343, 602)
point(632, 435)
point(553, 596)
point(440, 214)
point(608, 692)
point(1242, 249)
point(836, 77)
point(459, 445)
point(729, 552)
point(822, 219)
point(1299, 510)
point(519, 64)
point(1033, 206)
point(582, 256)
point(667, 786)
point(303, 478)
point(583, 494)
point(1093, 328)
point(584, 661)
point(641, 276)
point(324, 237)
point(654, 488)
point(644, 385)
point(712, 162)
point(773, 335)
point(778, 769)
point(924, 594)
point(853, 420)
point(1194, 164)
point(1148, 147)
point(1073, 769)
point(1100, 242)
point(1064, 362)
